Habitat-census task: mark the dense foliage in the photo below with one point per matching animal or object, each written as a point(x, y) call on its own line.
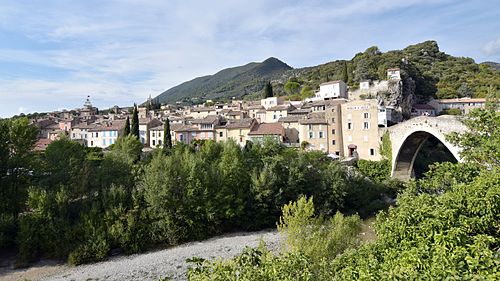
point(445, 226)
point(81, 204)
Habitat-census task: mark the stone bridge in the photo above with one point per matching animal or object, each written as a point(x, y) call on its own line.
point(407, 139)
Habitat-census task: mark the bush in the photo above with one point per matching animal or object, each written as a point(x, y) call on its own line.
point(8, 230)
point(378, 171)
point(95, 249)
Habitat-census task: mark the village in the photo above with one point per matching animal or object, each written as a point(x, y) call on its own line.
point(337, 121)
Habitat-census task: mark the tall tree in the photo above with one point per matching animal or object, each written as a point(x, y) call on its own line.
point(135, 122)
point(345, 77)
point(126, 130)
point(268, 90)
point(167, 138)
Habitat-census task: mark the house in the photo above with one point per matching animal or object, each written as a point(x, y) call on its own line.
point(393, 74)
point(236, 129)
point(252, 110)
point(144, 125)
point(201, 112)
point(314, 131)
point(331, 90)
point(462, 104)
point(199, 129)
point(291, 126)
point(41, 144)
point(273, 114)
point(422, 110)
point(105, 134)
point(156, 134)
point(272, 101)
point(80, 132)
point(360, 132)
point(267, 130)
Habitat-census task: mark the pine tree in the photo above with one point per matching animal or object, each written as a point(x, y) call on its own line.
point(268, 90)
point(167, 138)
point(126, 130)
point(135, 122)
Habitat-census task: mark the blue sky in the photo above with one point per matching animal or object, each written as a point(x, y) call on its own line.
point(55, 53)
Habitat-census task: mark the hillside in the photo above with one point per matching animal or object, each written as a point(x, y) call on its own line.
point(231, 82)
point(426, 70)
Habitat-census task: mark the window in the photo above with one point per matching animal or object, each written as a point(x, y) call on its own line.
point(366, 115)
point(337, 153)
point(333, 142)
point(181, 137)
point(104, 142)
point(310, 127)
point(349, 126)
point(311, 135)
point(96, 135)
point(366, 125)
point(221, 134)
point(372, 151)
point(159, 134)
point(333, 120)
point(85, 136)
point(91, 143)
point(321, 135)
point(73, 135)
point(159, 142)
point(333, 131)
point(154, 143)
point(241, 139)
point(274, 116)
point(153, 134)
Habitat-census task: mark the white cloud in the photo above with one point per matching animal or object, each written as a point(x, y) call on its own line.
point(492, 48)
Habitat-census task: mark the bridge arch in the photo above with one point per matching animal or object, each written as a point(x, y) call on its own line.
point(408, 137)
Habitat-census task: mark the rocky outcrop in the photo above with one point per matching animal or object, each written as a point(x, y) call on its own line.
point(399, 95)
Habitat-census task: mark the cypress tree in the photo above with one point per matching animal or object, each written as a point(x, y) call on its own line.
point(167, 138)
point(345, 77)
point(268, 90)
point(126, 130)
point(135, 122)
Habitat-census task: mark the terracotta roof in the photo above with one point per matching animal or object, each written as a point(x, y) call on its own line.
point(201, 109)
point(41, 144)
point(225, 111)
point(291, 118)
point(241, 123)
point(267, 129)
point(253, 107)
point(300, 111)
point(281, 107)
point(313, 121)
point(234, 112)
point(109, 126)
point(209, 119)
point(186, 128)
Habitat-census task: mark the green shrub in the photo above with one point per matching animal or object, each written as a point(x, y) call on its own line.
point(8, 230)
point(95, 249)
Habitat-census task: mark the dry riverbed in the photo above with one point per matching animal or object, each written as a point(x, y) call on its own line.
point(147, 266)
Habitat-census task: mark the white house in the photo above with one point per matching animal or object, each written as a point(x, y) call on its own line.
point(331, 90)
point(105, 134)
point(393, 74)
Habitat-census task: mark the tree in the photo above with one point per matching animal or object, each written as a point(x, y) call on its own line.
point(128, 149)
point(167, 137)
point(126, 130)
point(306, 92)
point(292, 87)
point(134, 130)
point(345, 77)
point(268, 90)
point(481, 141)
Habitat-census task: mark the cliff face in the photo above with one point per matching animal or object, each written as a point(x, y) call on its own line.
point(400, 95)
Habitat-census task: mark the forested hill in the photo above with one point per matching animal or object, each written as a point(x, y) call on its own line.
point(435, 74)
point(230, 82)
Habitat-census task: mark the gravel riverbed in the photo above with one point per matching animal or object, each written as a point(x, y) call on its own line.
point(169, 262)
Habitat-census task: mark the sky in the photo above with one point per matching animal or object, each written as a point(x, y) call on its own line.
point(53, 53)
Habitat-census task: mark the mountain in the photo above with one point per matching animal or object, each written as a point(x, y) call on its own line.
point(230, 82)
point(426, 71)
point(494, 65)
